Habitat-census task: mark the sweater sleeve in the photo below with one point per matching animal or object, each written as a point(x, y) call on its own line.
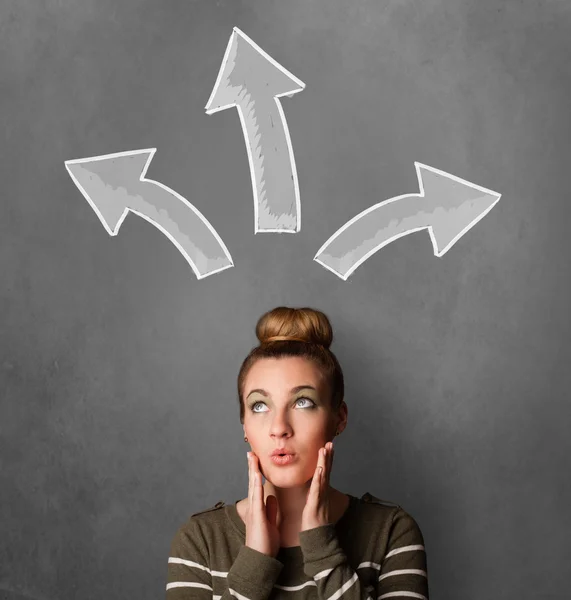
point(190, 575)
point(403, 572)
point(325, 561)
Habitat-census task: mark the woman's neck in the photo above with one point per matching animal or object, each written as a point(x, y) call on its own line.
point(292, 501)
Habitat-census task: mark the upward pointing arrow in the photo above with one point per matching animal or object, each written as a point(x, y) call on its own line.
point(253, 82)
point(115, 184)
point(450, 207)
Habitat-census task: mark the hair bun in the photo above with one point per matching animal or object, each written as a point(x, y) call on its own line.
point(300, 324)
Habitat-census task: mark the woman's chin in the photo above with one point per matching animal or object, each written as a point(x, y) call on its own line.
point(287, 477)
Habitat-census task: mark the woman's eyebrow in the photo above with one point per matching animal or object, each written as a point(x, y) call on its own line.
point(293, 390)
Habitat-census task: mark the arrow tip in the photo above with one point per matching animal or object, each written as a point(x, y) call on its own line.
point(248, 71)
point(456, 205)
point(449, 227)
point(107, 182)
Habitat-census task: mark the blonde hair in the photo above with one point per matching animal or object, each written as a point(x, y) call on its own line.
point(304, 332)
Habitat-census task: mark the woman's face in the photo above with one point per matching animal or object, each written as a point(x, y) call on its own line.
point(276, 415)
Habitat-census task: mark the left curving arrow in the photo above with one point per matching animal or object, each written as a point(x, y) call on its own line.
point(115, 184)
point(253, 82)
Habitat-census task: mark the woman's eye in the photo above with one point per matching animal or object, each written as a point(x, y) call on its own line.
point(312, 405)
point(307, 400)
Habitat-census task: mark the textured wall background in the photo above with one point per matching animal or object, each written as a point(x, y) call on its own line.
point(118, 408)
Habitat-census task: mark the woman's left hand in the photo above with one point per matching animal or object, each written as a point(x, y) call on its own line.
point(316, 511)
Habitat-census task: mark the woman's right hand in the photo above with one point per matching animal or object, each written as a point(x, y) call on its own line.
point(262, 533)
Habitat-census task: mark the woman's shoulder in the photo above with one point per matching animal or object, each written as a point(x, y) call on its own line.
point(197, 520)
point(217, 506)
point(399, 519)
point(381, 511)
point(369, 498)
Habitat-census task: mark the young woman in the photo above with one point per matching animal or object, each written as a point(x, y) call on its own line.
point(295, 536)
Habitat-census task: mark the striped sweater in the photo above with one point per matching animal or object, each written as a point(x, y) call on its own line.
point(373, 552)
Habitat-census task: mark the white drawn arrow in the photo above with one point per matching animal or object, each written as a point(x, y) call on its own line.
point(450, 207)
point(115, 184)
point(253, 82)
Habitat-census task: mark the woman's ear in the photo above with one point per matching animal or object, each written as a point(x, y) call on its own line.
point(343, 415)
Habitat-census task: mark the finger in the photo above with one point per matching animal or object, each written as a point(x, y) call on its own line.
point(256, 468)
point(315, 484)
point(325, 470)
point(315, 479)
point(250, 481)
point(258, 488)
point(320, 463)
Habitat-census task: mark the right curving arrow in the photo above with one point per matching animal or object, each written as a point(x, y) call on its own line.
point(447, 206)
